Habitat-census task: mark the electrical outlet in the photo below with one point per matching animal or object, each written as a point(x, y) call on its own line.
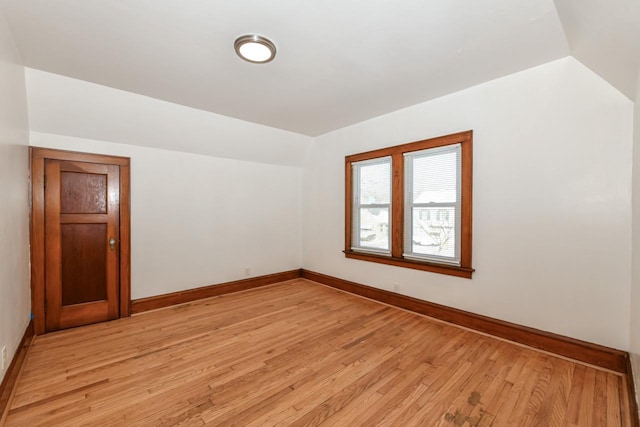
point(4, 357)
point(247, 271)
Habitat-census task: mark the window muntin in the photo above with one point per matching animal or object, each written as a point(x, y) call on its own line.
point(441, 225)
point(432, 204)
point(372, 206)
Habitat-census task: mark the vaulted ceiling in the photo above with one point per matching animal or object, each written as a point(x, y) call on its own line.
point(339, 62)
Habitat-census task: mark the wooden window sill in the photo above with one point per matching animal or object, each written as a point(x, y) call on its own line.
point(450, 270)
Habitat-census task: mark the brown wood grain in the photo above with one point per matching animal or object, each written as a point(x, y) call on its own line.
point(466, 213)
point(50, 153)
point(397, 219)
point(52, 237)
point(91, 163)
point(631, 392)
point(84, 267)
point(36, 235)
point(166, 300)
point(83, 193)
point(125, 241)
point(397, 206)
point(413, 146)
point(298, 353)
point(83, 218)
point(594, 354)
point(84, 314)
point(11, 377)
point(348, 206)
point(416, 265)
point(113, 232)
point(82, 271)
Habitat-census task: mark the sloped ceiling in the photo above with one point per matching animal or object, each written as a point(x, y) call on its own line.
point(605, 36)
point(339, 61)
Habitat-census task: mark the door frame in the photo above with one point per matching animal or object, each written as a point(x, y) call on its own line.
point(37, 158)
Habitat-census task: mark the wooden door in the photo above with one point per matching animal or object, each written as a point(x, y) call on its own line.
point(80, 239)
point(82, 205)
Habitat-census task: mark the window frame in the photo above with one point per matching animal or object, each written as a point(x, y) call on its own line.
point(357, 205)
point(397, 214)
point(410, 204)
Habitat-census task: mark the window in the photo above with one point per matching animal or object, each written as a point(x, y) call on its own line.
point(372, 204)
point(410, 205)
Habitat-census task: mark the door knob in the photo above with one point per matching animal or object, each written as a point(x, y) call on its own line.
point(112, 243)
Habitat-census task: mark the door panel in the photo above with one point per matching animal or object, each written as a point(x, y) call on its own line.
point(81, 264)
point(84, 263)
point(83, 193)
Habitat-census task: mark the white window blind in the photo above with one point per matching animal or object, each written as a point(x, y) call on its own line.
point(432, 204)
point(372, 206)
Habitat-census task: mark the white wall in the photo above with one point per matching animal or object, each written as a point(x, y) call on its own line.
point(15, 300)
point(211, 195)
point(552, 201)
point(199, 220)
point(66, 106)
point(635, 283)
point(552, 193)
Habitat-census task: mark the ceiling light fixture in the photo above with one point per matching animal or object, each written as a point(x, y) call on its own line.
point(255, 48)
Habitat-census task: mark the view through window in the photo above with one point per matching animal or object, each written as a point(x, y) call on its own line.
point(410, 205)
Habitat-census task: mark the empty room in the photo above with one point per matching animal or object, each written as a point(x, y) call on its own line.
point(301, 213)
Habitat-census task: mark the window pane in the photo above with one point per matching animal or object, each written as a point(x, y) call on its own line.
point(434, 231)
point(405, 204)
point(435, 178)
point(375, 183)
point(374, 228)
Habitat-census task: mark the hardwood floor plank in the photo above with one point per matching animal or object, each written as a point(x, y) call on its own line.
point(553, 408)
point(575, 394)
point(539, 393)
point(588, 393)
point(613, 403)
point(299, 353)
point(626, 413)
point(443, 403)
point(600, 400)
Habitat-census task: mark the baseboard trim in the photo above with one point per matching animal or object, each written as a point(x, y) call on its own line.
point(11, 377)
point(605, 357)
point(631, 390)
point(166, 300)
point(594, 354)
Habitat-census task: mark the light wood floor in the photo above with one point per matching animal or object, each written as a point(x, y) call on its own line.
point(298, 353)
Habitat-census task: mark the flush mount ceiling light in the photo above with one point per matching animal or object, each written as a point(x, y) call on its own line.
point(255, 48)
